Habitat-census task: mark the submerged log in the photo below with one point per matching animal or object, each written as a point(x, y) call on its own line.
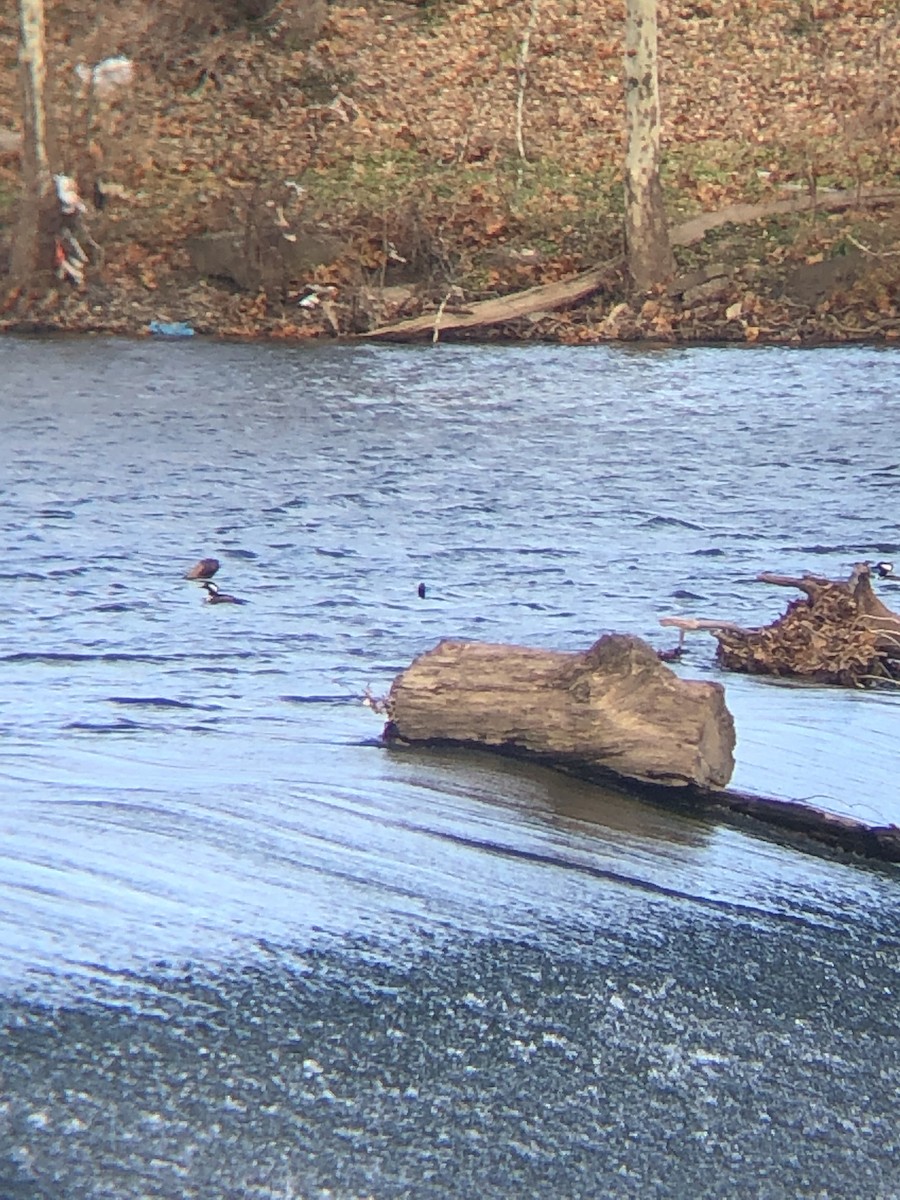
point(839, 633)
point(792, 819)
point(614, 709)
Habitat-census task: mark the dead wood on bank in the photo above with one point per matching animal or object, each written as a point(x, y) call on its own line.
point(696, 229)
point(544, 298)
point(564, 293)
point(840, 633)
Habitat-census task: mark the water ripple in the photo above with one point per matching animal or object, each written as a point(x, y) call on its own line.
point(543, 496)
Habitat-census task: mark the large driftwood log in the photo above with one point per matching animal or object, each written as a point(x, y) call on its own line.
point(839, 633)
point(614, 708)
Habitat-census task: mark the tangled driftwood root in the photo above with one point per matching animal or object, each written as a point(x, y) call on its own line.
point(839, 633)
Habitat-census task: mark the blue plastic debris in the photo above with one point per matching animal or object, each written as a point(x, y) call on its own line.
point(173, 329)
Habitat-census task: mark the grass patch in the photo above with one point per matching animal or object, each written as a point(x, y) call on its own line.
point(544, 191)
point(8, 199)
point(490, 225)
point(696, 176)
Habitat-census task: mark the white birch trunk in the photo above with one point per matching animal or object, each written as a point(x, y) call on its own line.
point(646, 230)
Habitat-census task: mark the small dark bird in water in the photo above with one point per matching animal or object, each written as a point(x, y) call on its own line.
point(204, 569)
point(421, 591)
point(885, 570)
point(214, 596)
point(673, 655)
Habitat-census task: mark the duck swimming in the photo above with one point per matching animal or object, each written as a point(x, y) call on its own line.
point(214, 596)
point(204, 569)
point(885, 570)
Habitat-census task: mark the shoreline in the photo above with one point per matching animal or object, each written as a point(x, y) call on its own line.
point(35, 329)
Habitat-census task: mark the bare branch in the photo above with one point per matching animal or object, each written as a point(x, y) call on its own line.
point(522, 74)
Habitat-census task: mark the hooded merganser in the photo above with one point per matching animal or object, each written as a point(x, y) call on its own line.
point(673, 655)
point(885, 570)
point(214, 596)
point(204, 569)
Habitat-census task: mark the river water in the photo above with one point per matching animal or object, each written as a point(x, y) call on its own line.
point(247, 952)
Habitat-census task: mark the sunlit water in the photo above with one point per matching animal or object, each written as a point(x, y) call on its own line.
point(245, 951)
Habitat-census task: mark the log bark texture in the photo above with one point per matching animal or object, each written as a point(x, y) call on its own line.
point(613, 709)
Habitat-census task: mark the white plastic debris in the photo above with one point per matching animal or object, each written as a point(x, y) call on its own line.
point(74, 249)
point(108, 75)
point(313, 294)
point(68, 266)
point(67, 191)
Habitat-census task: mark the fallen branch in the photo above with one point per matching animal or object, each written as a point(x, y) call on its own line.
point(795, 818)
point(869, 251)
point(544, 297)
point(696, 229)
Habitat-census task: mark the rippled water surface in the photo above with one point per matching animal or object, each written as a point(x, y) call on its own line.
point(244, 951)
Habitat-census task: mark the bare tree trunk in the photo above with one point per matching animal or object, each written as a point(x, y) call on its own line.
point(38, 224)
point(646, 232)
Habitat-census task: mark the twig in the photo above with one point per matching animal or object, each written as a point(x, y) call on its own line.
point(384, 250)
point(378, 704)
point(879, 679)
point(855, 330)
point(692, 624)
point(455, 293)
point(868, 249)
point(435, 337)
point(522, 73)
